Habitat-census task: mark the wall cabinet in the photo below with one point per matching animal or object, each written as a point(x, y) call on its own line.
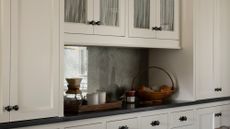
point(31, 50)
point(127, 23)
point(154, 19)
point(102, 17)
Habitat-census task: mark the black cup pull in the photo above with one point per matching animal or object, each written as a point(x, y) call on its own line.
point(123, 127)
point(16, 107)
point(8, 108)
point(183, 118)
point(155, 123)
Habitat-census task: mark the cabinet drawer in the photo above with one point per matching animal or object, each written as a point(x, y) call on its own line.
point(88, 126)
point(154, 122)
point(182, 118)
point(123, 124)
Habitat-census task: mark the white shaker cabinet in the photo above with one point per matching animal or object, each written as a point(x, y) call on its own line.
point(222, 46)
point(154, 19)
point(4, 58)
point(100, 17)
point(30, 72)
point(202, 66)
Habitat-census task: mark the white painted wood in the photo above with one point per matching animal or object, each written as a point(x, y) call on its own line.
point(34, 58)
point(130, 123)
point(81, 27)
point(110, 30)
point(145, 122)
point(204, 27)
point(222, 46)
point(96, 40)
point(88, 126)
point(4, 58)
point(140, 32)
point(225, 118)
point(185, 127)
point(206, 118)
point(175, 34)
point(175, 118)
point(54, 126)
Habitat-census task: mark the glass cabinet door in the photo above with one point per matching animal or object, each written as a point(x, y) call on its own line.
point(168, 19)
point(109, 16)
point(142, 18)
point(78, 16)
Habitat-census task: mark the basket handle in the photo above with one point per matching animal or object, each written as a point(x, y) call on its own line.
point(155, 67)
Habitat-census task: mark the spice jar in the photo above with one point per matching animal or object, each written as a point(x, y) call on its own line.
point(130, 96)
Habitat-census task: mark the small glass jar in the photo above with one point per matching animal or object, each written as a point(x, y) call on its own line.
point(130, 97)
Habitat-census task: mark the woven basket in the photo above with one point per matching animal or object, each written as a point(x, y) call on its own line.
point(147, 94)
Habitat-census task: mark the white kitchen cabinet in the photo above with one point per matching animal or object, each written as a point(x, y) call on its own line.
point(123, 124)
point(154, 19)
point(101, 17)
point(4, 58)
point(221, 46)
point(214, 117)
point(181, 118)
point(202, 67)
point(186, 127)
point(41, 127)
point(88, 126)
point(29, 70)
point(154, 122)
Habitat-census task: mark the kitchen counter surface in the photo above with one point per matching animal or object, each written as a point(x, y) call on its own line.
point(124, 110)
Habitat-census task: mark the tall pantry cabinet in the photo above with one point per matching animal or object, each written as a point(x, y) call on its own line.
point(202, 65)
point(29, 69)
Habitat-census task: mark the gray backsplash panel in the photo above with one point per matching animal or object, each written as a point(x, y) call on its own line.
point(113, 69)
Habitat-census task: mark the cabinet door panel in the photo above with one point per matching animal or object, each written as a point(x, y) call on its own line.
point(207, 119)
point(111, 14)
point(88, 126)
point(4, 58)
point(204, 10)
point(77, 15)
point(168, 19)
point(222, 46)
point(34, 58)
point(142, 15)
point(225, 118)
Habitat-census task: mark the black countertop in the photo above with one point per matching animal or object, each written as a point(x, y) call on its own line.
point(124, 110)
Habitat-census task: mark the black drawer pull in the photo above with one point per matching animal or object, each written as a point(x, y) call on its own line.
point(183, 118)
point(123, 127)
point(155, 123)
point(218, 114)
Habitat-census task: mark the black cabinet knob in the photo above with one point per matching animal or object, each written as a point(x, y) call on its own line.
point(157, 28)
point(8, 108)
point(218, 114)
point(16, 107)
point(98, 23)
point(91, 22)
point(218, 89)
point(155, 123)
point(183, 118)
point(123, 127)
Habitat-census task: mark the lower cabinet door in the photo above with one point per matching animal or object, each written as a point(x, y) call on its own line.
point(123, 124)
point(154, 122)
point(187, 127)
point(88, 126)
point(208, 118)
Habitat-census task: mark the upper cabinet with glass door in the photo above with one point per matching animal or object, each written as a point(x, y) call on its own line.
point(154, 19)
point(102, 17)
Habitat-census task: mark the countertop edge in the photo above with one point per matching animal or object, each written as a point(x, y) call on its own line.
point(54, 120)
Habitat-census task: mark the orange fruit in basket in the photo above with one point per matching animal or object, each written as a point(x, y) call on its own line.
point(165, 88)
